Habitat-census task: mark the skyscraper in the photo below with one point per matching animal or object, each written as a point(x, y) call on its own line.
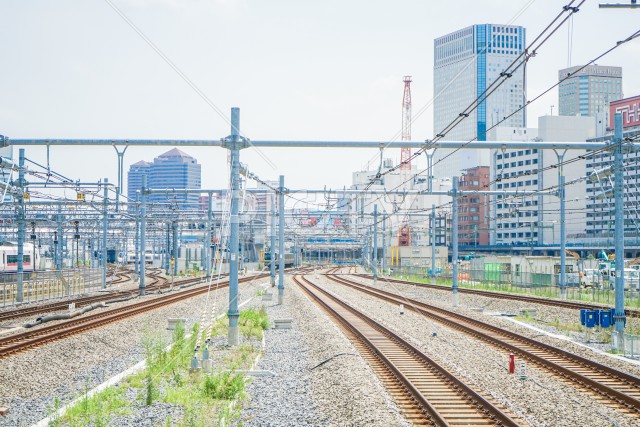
point(134, 178)
point(174, 169)
point(589, 91)
point(466, 63)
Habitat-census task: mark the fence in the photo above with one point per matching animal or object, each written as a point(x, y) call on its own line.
point(631, 344)
point(543, 284)
point(49, 284)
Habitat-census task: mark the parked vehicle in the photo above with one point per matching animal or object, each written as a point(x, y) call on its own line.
point(9, 257)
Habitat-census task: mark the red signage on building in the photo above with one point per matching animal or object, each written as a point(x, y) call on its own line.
point(630, 109)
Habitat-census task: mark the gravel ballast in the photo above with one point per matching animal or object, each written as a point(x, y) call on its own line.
point(541, 400)
point(65, 369)
point(546, 318)
point(341, 392)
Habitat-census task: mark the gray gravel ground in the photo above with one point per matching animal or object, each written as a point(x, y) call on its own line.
point(548, 315)
point(64, 369)
point(342, 392)
point(540, 401)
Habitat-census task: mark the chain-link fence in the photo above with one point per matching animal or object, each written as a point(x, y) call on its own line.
point(630, 344)
point(49, 284)
point(543, 283)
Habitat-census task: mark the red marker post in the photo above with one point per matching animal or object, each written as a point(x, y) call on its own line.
point(512, 364)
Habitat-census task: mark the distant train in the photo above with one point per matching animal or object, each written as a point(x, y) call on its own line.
point(9, 257)
point(148, 257)
point(289, 260)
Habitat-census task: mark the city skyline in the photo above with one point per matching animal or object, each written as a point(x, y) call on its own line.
point(170, 170)
point(105, 81)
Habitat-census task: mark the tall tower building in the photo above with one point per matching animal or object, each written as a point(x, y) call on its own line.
point(466, 63)
point(134, 178)
point(173, 169)
point(589, 91)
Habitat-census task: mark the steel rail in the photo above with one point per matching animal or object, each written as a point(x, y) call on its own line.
point(16, 343)
point(486, 412)
point(496, 294)
point(500, 337)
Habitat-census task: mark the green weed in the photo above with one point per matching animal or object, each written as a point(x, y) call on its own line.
point(224, 386)
point(252, 322)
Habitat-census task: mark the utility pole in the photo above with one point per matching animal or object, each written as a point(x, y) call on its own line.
point(619, 316)
point(563, 237)
point(234, 143)
point(21, 227)
point(433, 244)
point(59, 246)
point(454, 241)
point(143, 232)
point(272, 249)
point(175, 247)
point(281, 191)
point(384, 244)
point(136, 257)
point(207, 247)
point(104, 231)
point(375, 244)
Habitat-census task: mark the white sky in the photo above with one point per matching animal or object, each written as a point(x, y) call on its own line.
point(329, 70)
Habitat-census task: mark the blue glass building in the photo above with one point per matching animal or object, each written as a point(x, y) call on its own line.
point(173, 169)
point(466, 63)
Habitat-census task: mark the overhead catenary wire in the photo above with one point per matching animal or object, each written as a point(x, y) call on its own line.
point(611, 49)
point(507, 73)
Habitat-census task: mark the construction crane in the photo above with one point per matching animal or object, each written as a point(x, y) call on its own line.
point(405, 153)
point(404, 233)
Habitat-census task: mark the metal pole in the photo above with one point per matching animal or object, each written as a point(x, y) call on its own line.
point(619, 316)
point(175, 247)
point(454, 242)
point(207, 247)
point(563, 231)
point(281, 241)
point(59, 247)
point(563, 238)
point(143, 232)
point(167, 258)
point(433, 244)
point(21, 226)
point(375, 244)
point(384, 244)
point(136, 257)
point(104, 233)
point(233, 312)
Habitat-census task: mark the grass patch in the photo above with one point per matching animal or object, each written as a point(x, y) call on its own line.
point(253, 322)
point(224, 385)
point(203, 398)
point(96, 410)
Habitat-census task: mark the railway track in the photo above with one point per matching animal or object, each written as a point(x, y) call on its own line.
point(604, 383)
point(515, 297)
point(24, 341)
point(157, 283)
point(427, 393)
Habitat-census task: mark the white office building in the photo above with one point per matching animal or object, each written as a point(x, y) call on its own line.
point(466, 63)
point(535, 220)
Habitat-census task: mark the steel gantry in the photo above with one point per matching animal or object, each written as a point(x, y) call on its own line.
point(235, 142)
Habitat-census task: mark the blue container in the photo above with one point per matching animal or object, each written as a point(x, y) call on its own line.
point(590, 319)
point(596, 314)
point(605, 318)
point(583, 316)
